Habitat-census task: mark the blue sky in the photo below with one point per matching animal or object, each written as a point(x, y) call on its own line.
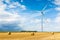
point(17, 15)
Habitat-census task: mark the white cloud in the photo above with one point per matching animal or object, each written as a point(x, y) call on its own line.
point(2, 6)
point(57, 19)
point(35, 20)
point(57, 8)
point(7, 1)
point(23, 7)
point(31, 24)
point(17, 4)
point(52, 24)
point(14, 5)
point(1, 0)
point(7, 17)
point(10, 19)
point(57, 2)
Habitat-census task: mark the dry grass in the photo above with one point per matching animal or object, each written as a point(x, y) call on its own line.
point(29, 36)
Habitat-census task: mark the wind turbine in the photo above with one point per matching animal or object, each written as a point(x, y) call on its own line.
point(42, 18)
point(42, 12)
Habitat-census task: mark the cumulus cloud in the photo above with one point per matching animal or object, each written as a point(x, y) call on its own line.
point(33, 24)
point(6, 16)
point(57, 19)
point(9, 20)
point(57, 2)
point(52, 24)
point(7, 1)
point(2, 6)
point(23, 7)
point(17, 5)
point(57, 8)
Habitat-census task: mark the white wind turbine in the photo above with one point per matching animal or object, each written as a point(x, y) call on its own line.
point(42, 12)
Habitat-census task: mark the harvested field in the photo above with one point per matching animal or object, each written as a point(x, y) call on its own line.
point(30, 36)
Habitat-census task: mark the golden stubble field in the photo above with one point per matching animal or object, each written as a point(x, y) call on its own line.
point(29, 36)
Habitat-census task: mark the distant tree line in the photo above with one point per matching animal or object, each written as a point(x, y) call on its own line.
point(28, 31)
